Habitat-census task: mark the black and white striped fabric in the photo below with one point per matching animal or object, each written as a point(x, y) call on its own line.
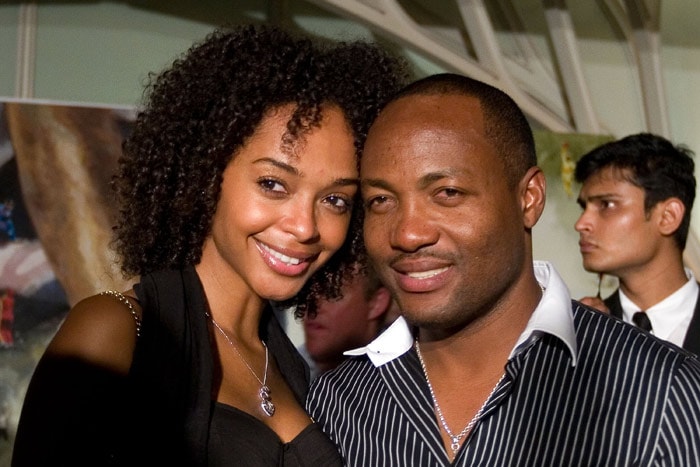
point(631, 399)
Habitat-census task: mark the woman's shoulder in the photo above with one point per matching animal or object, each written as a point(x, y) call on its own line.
point(101, 329)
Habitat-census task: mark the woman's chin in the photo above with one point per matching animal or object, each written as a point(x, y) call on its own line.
point(280, 295)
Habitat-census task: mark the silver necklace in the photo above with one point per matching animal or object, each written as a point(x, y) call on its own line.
point(265, 399)
point(456, 439)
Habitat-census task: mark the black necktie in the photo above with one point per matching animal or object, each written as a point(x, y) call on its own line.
point(641, 320)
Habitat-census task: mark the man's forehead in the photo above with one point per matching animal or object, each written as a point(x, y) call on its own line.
point(607, 183)
point(610, 174)
point(404, 108)
point(425, 120)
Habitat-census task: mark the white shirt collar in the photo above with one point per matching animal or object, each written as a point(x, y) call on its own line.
point(551, 316)
point(671, 316)
point(391, 344)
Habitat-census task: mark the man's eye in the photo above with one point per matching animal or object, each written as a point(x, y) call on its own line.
point(449, 196)
point(376, 200)
point(378, 204)
point(451, 192)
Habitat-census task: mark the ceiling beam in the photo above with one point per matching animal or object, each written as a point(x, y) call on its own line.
point(26, 51)
point(563, 38)
point(387, 18)
point(645, 20)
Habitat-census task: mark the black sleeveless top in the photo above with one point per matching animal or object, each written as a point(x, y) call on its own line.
point(237, 435)
point(178, 423)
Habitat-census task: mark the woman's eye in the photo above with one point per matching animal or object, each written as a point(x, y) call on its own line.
point(339, 203)
point(269, 184)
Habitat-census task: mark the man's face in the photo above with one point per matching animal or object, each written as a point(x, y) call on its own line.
point(341, 325)
point(616, 235)
point(442, 225)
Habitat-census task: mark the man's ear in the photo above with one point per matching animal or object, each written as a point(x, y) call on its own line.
point(671, 213)
point(378, 303)
point(533, 189)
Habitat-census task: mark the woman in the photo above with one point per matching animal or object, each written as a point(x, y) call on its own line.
point(237, 186)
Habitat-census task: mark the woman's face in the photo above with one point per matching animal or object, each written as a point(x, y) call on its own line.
point(283, 210)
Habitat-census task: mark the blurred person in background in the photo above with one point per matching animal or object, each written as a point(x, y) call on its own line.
point(339, 325)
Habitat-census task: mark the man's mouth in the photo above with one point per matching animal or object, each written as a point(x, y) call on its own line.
point(426, 274)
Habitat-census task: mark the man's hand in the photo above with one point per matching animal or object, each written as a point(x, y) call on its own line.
point(595, 302)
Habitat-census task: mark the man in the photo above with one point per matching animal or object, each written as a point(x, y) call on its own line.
point(491, 363)
point(636, 196)
point(364, 310)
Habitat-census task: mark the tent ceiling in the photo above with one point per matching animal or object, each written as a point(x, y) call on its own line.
point(529, 47)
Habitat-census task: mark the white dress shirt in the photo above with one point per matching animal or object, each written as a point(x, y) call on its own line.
point(670, 317)
point(552, 316)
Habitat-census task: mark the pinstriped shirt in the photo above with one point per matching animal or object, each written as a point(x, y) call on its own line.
point(618, 397)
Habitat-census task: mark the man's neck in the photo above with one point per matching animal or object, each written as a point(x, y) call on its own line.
point(488, 341)
point(648, 287)
point(326, 365)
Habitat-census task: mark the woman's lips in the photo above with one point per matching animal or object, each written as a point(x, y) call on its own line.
point(286, 264)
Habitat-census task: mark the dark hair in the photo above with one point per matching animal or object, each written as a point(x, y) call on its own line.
point(506, 125)
point(652, 163)
point(362, 270)
point(205, 106)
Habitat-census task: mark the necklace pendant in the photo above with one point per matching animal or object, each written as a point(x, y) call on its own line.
point(455, 445)
point(266, 401)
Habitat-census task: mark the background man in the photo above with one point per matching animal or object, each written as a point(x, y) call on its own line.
point(491, 362)
point(352, 321)
point(637, 194)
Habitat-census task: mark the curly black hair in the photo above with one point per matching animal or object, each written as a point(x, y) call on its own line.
point(201, 110)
